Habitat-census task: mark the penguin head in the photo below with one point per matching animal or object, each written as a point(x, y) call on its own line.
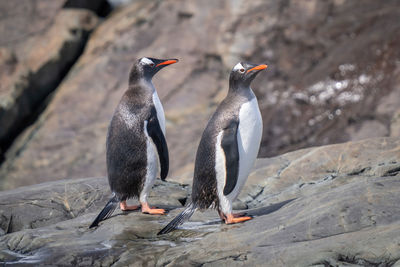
point(147, 67)
point(243, 74)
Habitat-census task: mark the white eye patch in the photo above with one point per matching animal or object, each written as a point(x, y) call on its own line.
point(146, 61)
point(238, 67)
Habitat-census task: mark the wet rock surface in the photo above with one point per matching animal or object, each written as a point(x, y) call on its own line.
point(332, 77)
point(45, 204)
point(324, 206)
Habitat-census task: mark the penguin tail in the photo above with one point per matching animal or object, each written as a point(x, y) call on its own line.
point(106, 212)
point(180, 219)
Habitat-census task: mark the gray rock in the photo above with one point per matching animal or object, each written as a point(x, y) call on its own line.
point(325, 206)
point(395, 124)
point(45, 204)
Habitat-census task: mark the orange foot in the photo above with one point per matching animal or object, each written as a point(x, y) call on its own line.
point(124, 207)
point(235, 215)
point(236, 218)
point(146, 209)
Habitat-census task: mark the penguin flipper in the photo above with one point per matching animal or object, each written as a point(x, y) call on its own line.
point(180, 219)
point(106, 211)
point(229, 144)
point(156, 134)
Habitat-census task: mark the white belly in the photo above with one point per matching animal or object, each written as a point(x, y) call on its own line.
point(248, 138)
point(160, 111)
point(152, 165)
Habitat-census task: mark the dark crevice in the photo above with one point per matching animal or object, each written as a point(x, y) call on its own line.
point(182, 15)
point(23, 124)
point(101, 8)
point(259, 193)
point(359, 171)
point(39, 101)
point(392, 172)
point(269, 209)
point(354, 260)
point(9, 226)
point(182, 201)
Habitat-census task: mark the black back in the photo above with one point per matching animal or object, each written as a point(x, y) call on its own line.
point(231, 149)
point(226, 117)
point(126, 143)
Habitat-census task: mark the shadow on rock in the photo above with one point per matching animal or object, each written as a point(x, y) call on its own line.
point(268, 209)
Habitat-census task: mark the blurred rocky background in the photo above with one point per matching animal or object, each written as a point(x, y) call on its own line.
point(333, 76)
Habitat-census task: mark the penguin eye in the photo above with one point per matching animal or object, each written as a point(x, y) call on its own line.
point(151, 64)
point(241, 70)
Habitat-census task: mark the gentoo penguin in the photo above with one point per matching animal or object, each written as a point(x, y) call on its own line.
point(136, 145)
point(227, 150)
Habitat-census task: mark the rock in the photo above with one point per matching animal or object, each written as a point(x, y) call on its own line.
point(367, 129)
point(45, 204)
point(395, 124)
point(323, 206)
point(308, 171)
point(332, 77)
point(99, 7)
point(43, 40)
point(21, 23)
point(49, 203)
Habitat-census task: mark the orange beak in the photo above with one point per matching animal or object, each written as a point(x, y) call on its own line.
point(167, 62)
point(259, 67)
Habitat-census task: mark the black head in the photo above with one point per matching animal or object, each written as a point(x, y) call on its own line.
point(146, 67)
point(243, 74)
